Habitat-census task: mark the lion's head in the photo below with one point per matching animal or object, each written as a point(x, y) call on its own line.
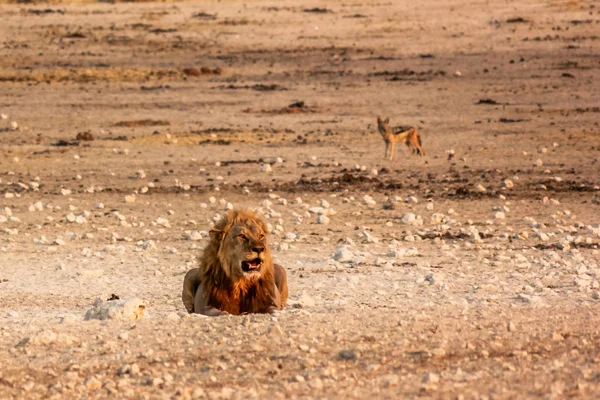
point(238, 245)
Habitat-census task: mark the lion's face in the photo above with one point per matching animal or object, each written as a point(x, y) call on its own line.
point(243, 251)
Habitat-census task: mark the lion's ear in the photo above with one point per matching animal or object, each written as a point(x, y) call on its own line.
point(215, 235)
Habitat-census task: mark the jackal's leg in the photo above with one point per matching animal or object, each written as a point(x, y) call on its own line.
point(387, 148)
point(392, 144)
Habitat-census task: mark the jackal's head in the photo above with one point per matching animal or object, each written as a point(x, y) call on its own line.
point(383, 125)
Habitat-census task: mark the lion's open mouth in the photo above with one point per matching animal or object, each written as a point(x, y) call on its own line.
point(251, 265)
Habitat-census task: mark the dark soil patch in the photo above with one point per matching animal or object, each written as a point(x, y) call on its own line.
point(142, 122)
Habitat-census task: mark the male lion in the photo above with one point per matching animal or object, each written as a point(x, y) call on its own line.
point(236, 273)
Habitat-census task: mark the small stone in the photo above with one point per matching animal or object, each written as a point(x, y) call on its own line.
point(508, 183)
point(173, 317)
point(274, 330)
point(306, 301)
point(92, 384)
point(322, 219)
point(266, 168)
point(391, 381)
point(499, 215)
point(347, 355)
point(368, 200)
point(149, 245)
point(194, 235)
point(409, 218)
point(316, 384)
point(431, 378)
point(343, 254)
point(510, 326)
point(163, 222)
point(539, 162)
point(544, 237)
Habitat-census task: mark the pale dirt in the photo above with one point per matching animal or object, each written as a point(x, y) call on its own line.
point(508, 317)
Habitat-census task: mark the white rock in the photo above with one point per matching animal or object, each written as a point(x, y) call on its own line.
point(129, 309)
point(37, 206)
point(343, 254)
point(431, 378)
point(412, 199)
point(322, 219)
point(499, 215)
point(163, 222)
point(544, 237)
point(399, 253)
point(409, 218)
point(437, 218)
point(130, 198)
point(149, 245)
point(173, 316)
point(369, 238)
point(306, 301)
point(194, 235)
point(368, 200)
point(266, 168)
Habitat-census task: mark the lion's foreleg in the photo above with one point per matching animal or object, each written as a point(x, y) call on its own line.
point(191, 282)
point(201, 304)
point(281, 285)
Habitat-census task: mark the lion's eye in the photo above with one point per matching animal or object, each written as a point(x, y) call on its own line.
point(242, 237)
point(262, 237)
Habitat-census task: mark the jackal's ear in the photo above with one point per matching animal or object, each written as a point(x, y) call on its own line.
point(386, 121)
point(379, 119)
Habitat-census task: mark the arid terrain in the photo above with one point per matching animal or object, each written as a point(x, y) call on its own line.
point(470, 273)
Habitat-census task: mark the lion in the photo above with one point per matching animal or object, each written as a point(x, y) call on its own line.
point(236, 274)
point(402, 134)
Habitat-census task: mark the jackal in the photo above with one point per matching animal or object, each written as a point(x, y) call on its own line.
point(403, 134)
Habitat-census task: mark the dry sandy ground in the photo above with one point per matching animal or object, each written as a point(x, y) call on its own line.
point(471, 273)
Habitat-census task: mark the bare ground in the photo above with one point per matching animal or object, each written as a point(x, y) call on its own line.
point(495, 294)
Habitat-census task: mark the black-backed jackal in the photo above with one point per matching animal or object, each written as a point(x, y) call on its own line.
point(403, 134)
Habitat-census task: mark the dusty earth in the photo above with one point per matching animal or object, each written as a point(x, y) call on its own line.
point(470, 273)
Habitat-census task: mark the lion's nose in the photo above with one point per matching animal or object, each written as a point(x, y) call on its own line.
point(258, 248)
